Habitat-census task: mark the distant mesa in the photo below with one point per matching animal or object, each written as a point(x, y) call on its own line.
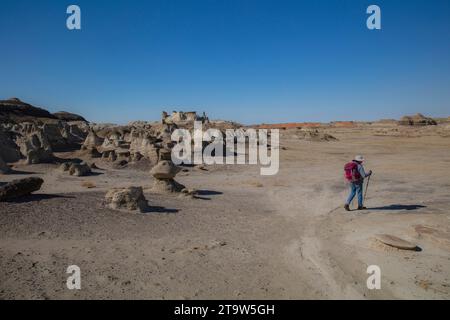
point(417, 120)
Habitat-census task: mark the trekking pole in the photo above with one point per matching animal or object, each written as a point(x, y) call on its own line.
point(367, 187)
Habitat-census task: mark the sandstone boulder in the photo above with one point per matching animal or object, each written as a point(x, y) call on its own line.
point(79, 169)
point(19, 188)
point(131, 198)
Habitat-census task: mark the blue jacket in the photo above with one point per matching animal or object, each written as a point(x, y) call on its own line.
point(362, 172)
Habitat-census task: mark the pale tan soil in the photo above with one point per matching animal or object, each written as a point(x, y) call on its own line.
point(249, 237)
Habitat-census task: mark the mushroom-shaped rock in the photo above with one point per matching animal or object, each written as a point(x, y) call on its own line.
point(165, 170)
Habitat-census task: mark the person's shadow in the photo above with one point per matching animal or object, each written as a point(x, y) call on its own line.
point(397, 207)
point(203, 194)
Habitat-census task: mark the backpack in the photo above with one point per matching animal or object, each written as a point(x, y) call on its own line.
point(351, 172)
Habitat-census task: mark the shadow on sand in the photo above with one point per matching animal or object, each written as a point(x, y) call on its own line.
point(202, 194)
point(19, 172)
point(37, 197)
point(208, 193)
point(399, 207)
point(93, 174)
point(153, 209)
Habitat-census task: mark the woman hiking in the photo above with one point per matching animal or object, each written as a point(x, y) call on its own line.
point(355, 175)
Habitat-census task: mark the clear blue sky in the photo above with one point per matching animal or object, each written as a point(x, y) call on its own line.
point(246, 60)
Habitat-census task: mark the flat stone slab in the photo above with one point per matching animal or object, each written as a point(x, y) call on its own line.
point(396, 242)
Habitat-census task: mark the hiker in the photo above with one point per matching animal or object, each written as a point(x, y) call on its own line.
point(355, 175)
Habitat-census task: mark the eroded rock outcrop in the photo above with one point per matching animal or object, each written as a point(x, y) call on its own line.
point(22, 123)
point(180, 117)
point(417, 120)
point(36, 148)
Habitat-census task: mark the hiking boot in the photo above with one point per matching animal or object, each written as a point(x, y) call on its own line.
point(347, 207)
point(362, 208)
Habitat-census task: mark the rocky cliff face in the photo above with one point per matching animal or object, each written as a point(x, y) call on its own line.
point(31, 133)
point(14, 110)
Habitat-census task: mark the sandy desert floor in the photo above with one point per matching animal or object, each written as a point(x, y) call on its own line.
point(247, 236)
